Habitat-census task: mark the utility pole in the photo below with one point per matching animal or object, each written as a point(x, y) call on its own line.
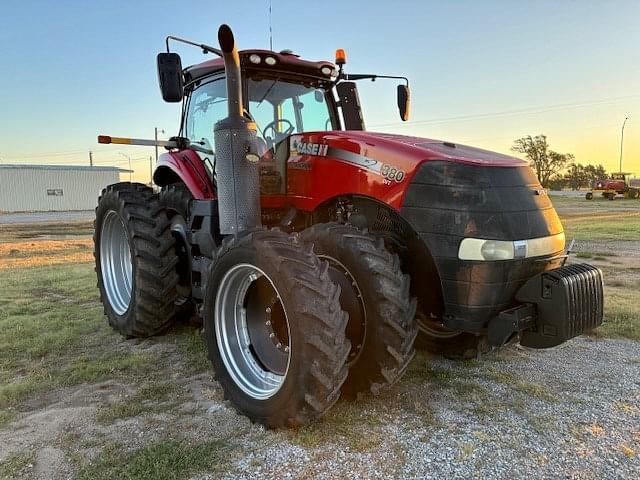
point(128, 157)
point(622, 140)
point(156, 137)
point(151, 170)
point(91, 159)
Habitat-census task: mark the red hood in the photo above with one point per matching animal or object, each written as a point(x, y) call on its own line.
point(418, 149)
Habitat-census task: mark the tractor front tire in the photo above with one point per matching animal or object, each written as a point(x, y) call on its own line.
point(135, 260)
point(589, 196)
point(376, 295)
point(274, 329)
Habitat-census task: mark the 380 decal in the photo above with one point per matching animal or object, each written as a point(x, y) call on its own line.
point(392, 173)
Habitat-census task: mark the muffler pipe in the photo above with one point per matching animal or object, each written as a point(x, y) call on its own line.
point(232, 70)
point(237, 172)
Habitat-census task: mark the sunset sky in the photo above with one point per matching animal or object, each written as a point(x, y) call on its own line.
point(482, 73)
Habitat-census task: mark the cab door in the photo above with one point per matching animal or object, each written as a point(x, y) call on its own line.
point(207, 105)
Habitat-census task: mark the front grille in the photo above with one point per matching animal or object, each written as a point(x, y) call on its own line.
point(584, 296)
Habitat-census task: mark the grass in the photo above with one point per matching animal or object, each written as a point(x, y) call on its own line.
point(568, 205)
point(610, 226)
point(421, 370)
point(621, 312)
point(150, 397)
point(530, 389)
point(31, 231)
point(595, 255)
point(193, 348)
point(54, 334)
point(354, 422)
point(163, 460)
point(6, 417)
point(16, 465)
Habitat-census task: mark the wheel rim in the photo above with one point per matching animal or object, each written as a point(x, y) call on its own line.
point(179, 232)
point(433, 328)
point(352, 302)
point(252, 331)
point(115, 262)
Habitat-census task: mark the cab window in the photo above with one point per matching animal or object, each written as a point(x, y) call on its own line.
point(207, 105)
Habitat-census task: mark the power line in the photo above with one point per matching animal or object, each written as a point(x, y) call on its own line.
point(526, 111)
point(48, 154)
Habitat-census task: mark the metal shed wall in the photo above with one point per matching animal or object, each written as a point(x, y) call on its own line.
point(25, 188)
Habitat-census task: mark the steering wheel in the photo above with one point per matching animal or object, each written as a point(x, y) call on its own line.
point(278, 135)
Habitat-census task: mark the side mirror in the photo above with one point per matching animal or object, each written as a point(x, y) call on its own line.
point(170, 77)
point(404, 102)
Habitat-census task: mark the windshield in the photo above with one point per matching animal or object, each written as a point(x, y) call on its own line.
point(281, 108)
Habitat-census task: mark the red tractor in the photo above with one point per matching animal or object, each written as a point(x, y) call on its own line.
point(618, 184)
point(316, 252)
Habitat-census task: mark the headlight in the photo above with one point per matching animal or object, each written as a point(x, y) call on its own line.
point(481, 249)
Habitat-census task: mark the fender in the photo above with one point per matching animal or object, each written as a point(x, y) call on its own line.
point(188, 167)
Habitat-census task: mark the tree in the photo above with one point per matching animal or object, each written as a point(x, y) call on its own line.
point(542, 159)
point(594, 173)
point(576, 176)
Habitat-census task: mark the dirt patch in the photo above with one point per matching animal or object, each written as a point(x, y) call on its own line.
point(25, 254)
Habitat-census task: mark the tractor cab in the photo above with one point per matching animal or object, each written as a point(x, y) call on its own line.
point(620, 176)
point(282, 94)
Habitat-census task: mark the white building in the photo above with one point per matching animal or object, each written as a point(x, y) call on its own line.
point(41, 188)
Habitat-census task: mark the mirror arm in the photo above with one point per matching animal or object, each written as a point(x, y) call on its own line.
point(368, 76)
point(205, 48)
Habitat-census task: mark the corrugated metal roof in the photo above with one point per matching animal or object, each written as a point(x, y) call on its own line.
point(27, 166)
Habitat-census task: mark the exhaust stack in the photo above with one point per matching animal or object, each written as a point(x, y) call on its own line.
point(237, 172)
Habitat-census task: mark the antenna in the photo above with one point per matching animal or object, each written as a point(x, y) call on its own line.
point(270, 29)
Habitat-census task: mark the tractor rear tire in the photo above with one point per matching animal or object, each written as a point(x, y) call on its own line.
point(376, 295)
point(274, 329)
point(135, 260)
point(451, 344)
point(176, 199)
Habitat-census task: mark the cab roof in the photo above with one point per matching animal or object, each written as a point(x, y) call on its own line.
point(286, 64)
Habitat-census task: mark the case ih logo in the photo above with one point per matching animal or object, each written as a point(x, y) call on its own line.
point(302, 148)
point(389, 173)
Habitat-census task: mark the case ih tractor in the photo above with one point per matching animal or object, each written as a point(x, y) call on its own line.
point(618, 184)
point(316, 252)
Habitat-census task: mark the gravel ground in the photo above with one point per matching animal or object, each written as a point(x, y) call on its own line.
point(568, 412)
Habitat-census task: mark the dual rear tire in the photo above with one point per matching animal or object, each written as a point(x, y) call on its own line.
point(282, 346)
point(135, 260)
point(376, 295)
